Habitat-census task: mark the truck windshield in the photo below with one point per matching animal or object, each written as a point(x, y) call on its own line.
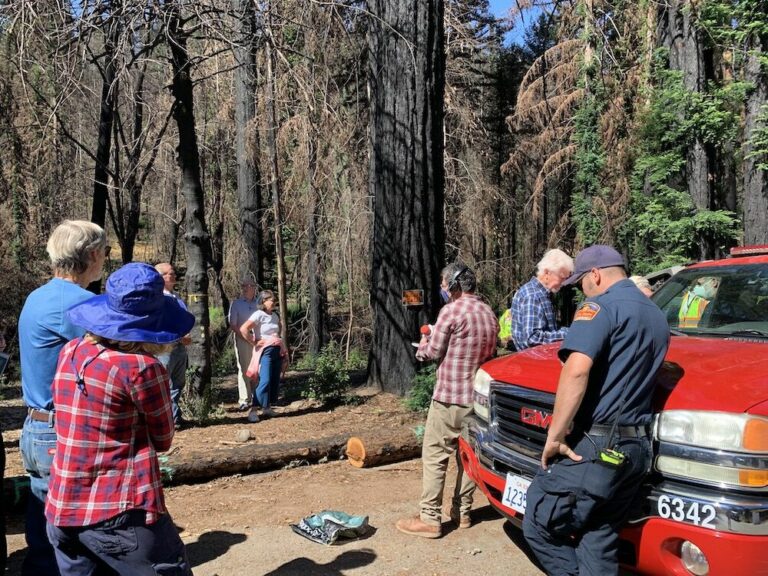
point(724, 301)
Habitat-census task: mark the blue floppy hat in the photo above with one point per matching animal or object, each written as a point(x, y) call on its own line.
point(133, 309)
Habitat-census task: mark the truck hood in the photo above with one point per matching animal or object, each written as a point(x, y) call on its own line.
point(698, 373)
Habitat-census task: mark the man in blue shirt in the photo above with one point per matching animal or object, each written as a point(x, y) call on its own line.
point(598, 447)
point(176, 360)
point(77, 250)
point(533, 316)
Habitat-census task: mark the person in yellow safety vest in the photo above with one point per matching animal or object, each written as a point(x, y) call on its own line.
point(505, 327)
point(695, 302)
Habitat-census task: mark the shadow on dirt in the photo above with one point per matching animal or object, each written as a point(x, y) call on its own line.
point(342, 562)
point(211, 545)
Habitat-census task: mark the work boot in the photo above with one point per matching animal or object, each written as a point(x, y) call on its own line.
point(461, 520)
point(416, 527)
point(253, 415)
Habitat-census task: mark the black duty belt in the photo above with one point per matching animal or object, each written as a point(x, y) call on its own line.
point(621, 431)
point(41, 415)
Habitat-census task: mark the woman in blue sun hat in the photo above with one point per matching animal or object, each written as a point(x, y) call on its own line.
point(105, 507)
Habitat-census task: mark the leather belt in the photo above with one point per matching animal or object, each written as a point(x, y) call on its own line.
point(41, 415)
point(621, 431)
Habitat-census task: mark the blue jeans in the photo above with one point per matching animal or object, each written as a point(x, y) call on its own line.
point(176, 364)
point(38, 445)
point(125, 544)
point(269, 377)
point(575, 510)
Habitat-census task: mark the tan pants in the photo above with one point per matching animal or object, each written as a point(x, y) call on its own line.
point(243, 353)
point(441, 441)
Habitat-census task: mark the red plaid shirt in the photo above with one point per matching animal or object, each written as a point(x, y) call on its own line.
point(108, 427)
point(463, 337)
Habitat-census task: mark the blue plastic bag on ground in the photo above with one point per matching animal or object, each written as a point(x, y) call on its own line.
point(328, 526)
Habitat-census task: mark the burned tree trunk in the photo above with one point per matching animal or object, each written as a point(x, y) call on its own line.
point(406, 179)
point(318, 297)
point(106, 120)
point(198, 240)
point(248, 179)
point(755, 178)
point(690, 54)
point(274, 175)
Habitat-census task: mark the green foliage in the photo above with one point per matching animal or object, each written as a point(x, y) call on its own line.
point(590, 159)
point(199, 409)
point(422, 388)
point(217, 317)
point(225, 362)
point(306, 362)
point(759, 140)
point(357, 360)
point(665, 227)
point(330, 381)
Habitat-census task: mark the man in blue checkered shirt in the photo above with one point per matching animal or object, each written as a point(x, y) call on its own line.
point(533, 316)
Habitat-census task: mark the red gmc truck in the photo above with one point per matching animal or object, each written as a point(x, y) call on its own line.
point(703, 510)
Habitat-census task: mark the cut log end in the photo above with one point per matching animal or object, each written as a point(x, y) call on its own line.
point(356, 452)
point(382, 447)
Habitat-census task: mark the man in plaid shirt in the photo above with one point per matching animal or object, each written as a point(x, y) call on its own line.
point(533, 316)
point(463, 337)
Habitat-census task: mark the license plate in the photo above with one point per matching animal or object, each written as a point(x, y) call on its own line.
point(515, 490)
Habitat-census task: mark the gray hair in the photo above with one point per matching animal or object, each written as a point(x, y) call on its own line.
point(555, 260)
point(467, 280)
point(71, 243)
point(641, 282)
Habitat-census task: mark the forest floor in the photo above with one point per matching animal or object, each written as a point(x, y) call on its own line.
point(239, 524)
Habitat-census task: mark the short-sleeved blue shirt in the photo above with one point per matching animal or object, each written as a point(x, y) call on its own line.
point(43, 331)
point(626, 335)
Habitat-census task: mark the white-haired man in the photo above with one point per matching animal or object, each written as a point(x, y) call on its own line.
point(533, 315)
point(239, 311)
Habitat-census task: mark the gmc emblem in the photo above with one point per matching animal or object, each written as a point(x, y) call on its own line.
point(535, 417)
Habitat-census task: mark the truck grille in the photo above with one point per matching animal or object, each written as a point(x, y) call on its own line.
point(520, 417)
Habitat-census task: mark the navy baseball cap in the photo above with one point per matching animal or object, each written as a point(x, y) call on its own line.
point(596, 256)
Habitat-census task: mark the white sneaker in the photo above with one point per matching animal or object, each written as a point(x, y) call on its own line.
point(267, 412)
point(253, 415)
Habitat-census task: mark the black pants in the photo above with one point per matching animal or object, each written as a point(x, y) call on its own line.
point(3, 544)
point(575, 510)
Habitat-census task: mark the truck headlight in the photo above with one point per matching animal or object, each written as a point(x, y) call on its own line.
point(719, 430)
point(482, 389)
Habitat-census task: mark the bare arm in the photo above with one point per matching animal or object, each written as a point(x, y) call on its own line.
point(570, 392)
point(245, 330)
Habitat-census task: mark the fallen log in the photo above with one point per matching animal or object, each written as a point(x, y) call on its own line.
point(197, 466)
point(383, 448)
point(180, 467)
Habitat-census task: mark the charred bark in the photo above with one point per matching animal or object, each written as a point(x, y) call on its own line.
point(248, 178)
point(318, 298)
point(689, 53)
point(197, 238)
point(274, 175)
point(755, 179)
point(406, 179)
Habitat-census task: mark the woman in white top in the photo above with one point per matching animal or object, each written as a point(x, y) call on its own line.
point(263, 329)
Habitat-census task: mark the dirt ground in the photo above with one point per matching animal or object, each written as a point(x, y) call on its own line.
point(241, 524)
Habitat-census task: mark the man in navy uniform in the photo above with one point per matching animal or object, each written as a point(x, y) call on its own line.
point(598, 448)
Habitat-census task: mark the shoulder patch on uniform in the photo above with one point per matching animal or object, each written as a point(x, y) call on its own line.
point(587, 311)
